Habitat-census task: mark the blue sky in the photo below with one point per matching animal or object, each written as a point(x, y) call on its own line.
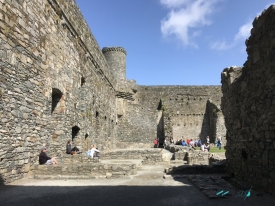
point(174, 42)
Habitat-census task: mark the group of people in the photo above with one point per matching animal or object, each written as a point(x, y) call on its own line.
point(188, 142)
point(204, 145)
point(70, 149)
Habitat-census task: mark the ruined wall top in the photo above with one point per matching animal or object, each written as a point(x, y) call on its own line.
point(229, 75)
point(72, 18)
point(256, 47)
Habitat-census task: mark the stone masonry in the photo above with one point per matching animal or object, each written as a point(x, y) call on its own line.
point(248, 105)
point(56, 84)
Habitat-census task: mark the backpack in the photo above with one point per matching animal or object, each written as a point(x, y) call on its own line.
point(88, 153)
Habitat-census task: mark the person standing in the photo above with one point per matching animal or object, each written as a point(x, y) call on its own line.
point(165, 142)
point(219, 143)
point(171, 140)
point(155, 143)
point(44, 159)
point(207, 140)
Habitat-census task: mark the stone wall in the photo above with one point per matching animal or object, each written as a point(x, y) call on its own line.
point(180, 111)
point(193, 157)
point(55, 84)
point(248, 106)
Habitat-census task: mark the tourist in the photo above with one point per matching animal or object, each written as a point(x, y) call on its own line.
point(199, 143)
point(94, 152)
point(183, 143)
point(165, 142)
point(207, 147)
point(155, 143)
point(171, 140)
point(203, 147)
point(219, 143)
point(44, 159)
point(207, 140)
point(178, 142)
point(70, 150)
point(188, 142)
point(192, 144)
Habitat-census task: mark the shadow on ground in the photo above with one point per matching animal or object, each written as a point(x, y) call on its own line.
point(113, 193)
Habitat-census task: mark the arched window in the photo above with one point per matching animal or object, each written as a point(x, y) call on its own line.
point(58, 102)
point(75, 131)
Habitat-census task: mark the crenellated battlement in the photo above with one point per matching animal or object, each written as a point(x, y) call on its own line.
point(116, 49)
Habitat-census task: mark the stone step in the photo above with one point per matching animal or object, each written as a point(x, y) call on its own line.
point(178, 162)
point(149, 155)
point(150, 172)
point(105, 168)
point(60, 177)
point(137, 162)
point(76, 177)
point(196, 169)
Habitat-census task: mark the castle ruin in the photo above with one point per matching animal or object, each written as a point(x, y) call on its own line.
point(56, 84)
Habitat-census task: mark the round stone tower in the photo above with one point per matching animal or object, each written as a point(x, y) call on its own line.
point(116, 58)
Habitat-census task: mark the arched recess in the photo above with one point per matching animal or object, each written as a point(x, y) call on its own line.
point(58, 103)
point(75, 131)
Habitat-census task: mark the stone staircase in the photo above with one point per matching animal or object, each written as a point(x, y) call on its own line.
point(114, 164)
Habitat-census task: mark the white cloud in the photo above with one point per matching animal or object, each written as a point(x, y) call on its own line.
point(186, 15)
point(221, 45)
point(173, 3)
point(244, 31)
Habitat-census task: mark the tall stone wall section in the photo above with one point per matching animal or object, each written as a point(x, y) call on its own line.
point(248, 105)
point(55, 84)
point(180, 111)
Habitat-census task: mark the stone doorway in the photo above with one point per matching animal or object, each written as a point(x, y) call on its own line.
point(75, 131)
point(56, 99)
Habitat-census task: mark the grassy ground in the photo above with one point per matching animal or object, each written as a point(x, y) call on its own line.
point(214, 149)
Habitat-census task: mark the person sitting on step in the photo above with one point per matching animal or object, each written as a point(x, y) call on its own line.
point(45, 159)
point(70, 150)
point(94, 152)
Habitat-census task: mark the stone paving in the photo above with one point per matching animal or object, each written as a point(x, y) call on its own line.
point(150, 186)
